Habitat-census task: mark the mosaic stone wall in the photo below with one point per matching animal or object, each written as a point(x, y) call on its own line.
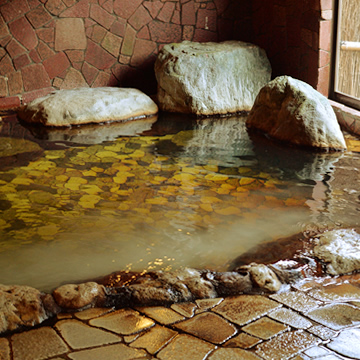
point(60, 44)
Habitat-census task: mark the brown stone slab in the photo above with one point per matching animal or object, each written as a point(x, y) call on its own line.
point(243, 341)
point(162, 314)
point(124, 322)
point(232, 354)
point(265, 328)
point(113, 352)
point(42, 343)
point(4, 349)
point(245, 308)
point(81, 336)
point(209, 327)
point(184, 309)
point(185, 347)
point(286, 345)
point(154, 339)
point(337, 316)
point(92, 313)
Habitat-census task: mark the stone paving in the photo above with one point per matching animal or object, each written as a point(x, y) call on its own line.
point(317, 319)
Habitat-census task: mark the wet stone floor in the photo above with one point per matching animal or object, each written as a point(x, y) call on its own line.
point(318, 319)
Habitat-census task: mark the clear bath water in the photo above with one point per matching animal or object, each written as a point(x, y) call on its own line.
point(80, 203)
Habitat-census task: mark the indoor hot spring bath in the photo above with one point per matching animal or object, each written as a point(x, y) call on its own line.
point(158, 194)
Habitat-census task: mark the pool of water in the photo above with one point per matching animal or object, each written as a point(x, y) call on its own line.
point(157, 194)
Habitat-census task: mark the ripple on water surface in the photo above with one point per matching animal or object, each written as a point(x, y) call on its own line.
point(195, 194)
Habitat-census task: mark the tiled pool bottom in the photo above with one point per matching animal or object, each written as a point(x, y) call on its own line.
point(318, 319)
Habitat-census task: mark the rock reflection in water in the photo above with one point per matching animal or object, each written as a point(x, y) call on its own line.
point(196, 198)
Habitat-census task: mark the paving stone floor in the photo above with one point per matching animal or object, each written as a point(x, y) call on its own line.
point(318, 319)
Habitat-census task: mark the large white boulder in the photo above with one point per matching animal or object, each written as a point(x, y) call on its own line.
point(210, 78)
point(85, 105)
point(340, 250)
point(292, 111)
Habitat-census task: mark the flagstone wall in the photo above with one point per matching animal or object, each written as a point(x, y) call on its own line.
point(61, 44)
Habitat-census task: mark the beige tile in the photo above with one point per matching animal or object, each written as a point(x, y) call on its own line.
point(185, 347)
point(163, 315)
point(209, 327)
point(245, 308)
point(336, 316)
point(4, 349)
point(286, 345)
point(154, 339)
point(243, 341)
point(297, 300)
point(232, 354)
point(184, 309)
point(37, 344)
point(113, 352)
point(291, 318)
point(316, 351)
point(91, 313)
point(80, 336)
point(265, 328)
point(342, 292)
point(124, 322)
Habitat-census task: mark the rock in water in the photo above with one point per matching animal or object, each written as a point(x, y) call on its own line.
point(210, 78)
point(340, 250)
point(292, 111)
point(85, 106)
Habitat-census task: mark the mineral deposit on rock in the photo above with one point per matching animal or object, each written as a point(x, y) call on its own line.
point(84, 106)
point(340, 250)
point(80, 296)
point(292, 111)
point(23, 306)
point(210, 78)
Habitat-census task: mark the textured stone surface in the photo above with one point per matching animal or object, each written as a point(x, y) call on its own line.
point(265, 328)
point(286, 345)
point(72, 296)
point(82, 106)
point(232, 354)
point(124, 322)
point(117, 351)
point(291, 318)
point(37, 344)
point(21, 306)
point(336, 316)
point(155, 339)
point(210, 78)
point(80, 336)
point(70, 34)
point(196, 349)
point(203, 326)
point(162, 315)
point(244, 309)
point(291, 111)
point(340, 250)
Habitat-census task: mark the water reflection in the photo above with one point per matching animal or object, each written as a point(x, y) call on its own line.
point(196, 192)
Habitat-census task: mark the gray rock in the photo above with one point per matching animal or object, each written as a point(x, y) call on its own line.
point(23, 306)
point(210, 78)
point(340, 250)
point(292, 111)
point(263, 277)
point(84, 106)
point(80, 296)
